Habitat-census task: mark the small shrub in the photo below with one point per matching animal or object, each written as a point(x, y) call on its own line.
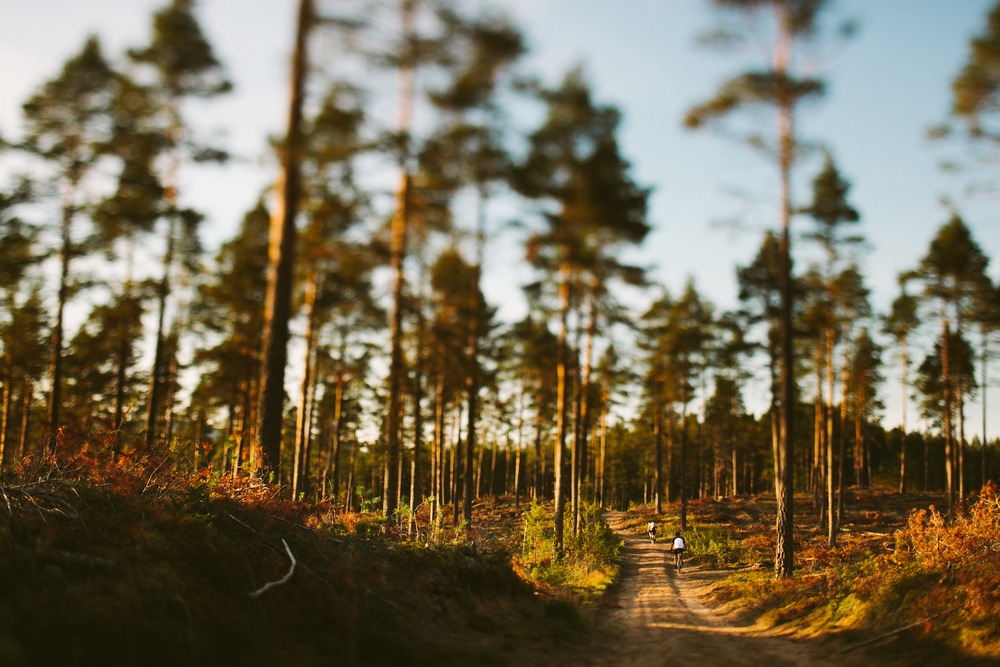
point(589, 562)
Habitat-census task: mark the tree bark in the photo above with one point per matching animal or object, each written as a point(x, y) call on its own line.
point(904, 362)
point(561, 389)
point(283, 236)
point(949, 451)
point(304, 418)
point(400, 223)
point(55, 368)
point(784, 549)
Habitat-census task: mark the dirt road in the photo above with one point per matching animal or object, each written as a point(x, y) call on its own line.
point(659, 617)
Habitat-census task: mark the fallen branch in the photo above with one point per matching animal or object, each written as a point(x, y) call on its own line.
point(66, 558)
point(284, 579)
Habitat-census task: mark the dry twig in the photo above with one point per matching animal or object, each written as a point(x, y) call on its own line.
point(284, 579)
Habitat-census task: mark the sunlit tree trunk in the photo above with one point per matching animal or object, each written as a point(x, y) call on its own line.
point(604, 447)
point(338, 436)
point(831, 518)
point(562, 360)
point(6, 400)
point(949, 445)
point(397, 250)
point(657, 446)
point(842, 445)
point(438, 453)
point(520, 451)
point(818, 432)
point(418, 418)
point(304, 418)
point(457, 470)
point(536, 472)
point(985, 388)
point(904, 366)
point(960, 443)
point(584, 430)
point(25, 415)
point(472, 375)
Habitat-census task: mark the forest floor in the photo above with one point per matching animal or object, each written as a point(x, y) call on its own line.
point(656, 616)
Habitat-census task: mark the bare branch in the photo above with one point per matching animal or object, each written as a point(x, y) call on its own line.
point(283, 580)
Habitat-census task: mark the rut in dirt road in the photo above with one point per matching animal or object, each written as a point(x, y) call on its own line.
point(658, 617)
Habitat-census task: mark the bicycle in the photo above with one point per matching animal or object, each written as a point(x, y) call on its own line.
point(678, 559)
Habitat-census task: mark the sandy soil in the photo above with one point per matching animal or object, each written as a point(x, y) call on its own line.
point(661, 617)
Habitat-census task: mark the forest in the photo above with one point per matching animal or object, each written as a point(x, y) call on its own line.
point(339, 351)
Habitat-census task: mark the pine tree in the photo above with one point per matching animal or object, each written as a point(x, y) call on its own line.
point(181, 65)
point(574, 161)
point(68, 124)
point(776, 86)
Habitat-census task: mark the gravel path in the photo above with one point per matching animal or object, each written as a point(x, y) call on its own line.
point(659, 617)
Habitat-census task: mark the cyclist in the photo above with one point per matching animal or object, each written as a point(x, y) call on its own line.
point(651, 531)
point(678, 547)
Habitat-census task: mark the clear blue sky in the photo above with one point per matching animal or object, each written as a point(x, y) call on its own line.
point(886, 87)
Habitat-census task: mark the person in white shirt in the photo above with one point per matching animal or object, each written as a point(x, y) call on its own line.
point(679, 544)
point(677, 548)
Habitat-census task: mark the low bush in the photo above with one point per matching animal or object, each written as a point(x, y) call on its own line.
point(590, 558)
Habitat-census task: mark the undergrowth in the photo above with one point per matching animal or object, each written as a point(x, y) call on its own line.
point(590, 558)
point(132, 564)
point(931, 587)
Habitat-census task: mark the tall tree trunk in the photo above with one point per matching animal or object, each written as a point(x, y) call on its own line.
point(657, 447)
point(26, 391)
point(949, 447)
point(472, 377)
point(985, 388)
point(604, 447)
point(56, 365)
point(169, 398)
point(418, 418)
point(562, 361)
point(5, 402)
point(338, 421)
point(438, 456)
point(588, 353)
point(859, 445)
point(493, 467)
point(520, 451)
point(831, 518)
point(156, 375)
point(121, 379)
point(904, 363)
point(457, 470)
point(351, 468)
point(960, 444)
point(682, 477)
point(283, 233)
point(842, 449)
point(818, 431)
point(536, 472)
point(784, 474)
point(400, 224)
point(303, 417)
